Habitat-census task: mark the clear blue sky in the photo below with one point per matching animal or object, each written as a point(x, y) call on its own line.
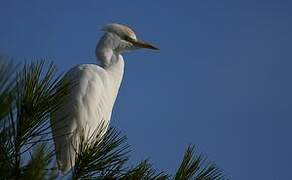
point(222, 79)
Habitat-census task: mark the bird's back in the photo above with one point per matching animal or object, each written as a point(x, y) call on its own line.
point(89, 103)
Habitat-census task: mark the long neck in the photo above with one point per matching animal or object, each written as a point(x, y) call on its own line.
point(106, 52)
point(116, 71)
point(110, 59)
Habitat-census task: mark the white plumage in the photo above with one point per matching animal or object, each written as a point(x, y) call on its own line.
point(93, 93)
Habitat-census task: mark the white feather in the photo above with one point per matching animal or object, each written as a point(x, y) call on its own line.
point(92, 96)
point(89, 104)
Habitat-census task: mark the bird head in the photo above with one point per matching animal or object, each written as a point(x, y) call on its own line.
point(122, 38)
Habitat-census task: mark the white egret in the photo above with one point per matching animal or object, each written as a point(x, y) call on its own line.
point(93, 94)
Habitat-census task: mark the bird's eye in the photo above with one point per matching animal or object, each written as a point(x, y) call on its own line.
point(128, 38)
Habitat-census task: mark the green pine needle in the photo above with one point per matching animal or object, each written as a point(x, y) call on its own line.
point(195, 167)
point(27, 98)
point(144, 171)
point(101, 156)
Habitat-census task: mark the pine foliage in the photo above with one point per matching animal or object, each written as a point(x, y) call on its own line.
point(28, 95)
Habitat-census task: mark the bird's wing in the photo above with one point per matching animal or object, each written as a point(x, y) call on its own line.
point(86, 106)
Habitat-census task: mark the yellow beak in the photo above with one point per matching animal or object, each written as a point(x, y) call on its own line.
point(141, 44)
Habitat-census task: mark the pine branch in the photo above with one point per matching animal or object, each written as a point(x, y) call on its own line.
point(38, 166)
point(37, 97)
point(101, 155)
point(7, 90)
point(196, 167)
point(143, 171)
point(27, 98)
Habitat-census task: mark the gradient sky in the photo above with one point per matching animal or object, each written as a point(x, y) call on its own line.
point(222, 79)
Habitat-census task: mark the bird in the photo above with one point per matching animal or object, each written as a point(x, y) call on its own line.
point(90, 100)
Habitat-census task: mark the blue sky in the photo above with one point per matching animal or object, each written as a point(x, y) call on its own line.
point(222, 79)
